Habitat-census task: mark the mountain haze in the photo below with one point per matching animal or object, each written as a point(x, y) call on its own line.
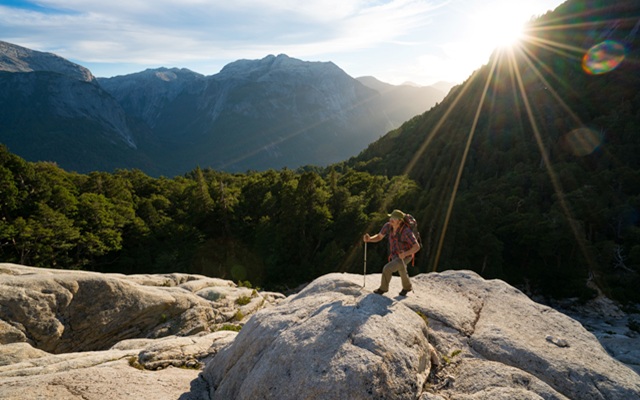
point(403, 101)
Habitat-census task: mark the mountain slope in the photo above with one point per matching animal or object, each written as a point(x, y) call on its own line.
point(404, 101)
point(15, 58)
point(259, 114)
point(54, 110)
point(530, 168)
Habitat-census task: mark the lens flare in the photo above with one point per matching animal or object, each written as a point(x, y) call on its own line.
point(603, 57)
point(582, 141)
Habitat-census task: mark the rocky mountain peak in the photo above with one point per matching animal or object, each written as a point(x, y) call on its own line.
point(275, 65)
point(14, 58)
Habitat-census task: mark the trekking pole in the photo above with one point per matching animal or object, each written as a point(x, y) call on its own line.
point(364, 275)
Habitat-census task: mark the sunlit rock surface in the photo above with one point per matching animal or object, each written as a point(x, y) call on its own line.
point(338, 340)
point(83, 335)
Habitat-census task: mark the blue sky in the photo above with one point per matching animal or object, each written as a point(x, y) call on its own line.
point(421, 41)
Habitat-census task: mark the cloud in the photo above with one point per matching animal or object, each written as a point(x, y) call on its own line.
point(175, 31)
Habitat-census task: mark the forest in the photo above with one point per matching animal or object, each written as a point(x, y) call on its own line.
point(527, 172)
point(274, 229)
point(280, 229)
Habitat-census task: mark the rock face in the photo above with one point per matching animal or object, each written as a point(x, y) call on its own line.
point(327, 342)
point(336, 340)
point(61, 311)
point(121, 372)
point(456, 336)
point(147, 95)
point(110, 331)
point(51, 107)
point(15, 58)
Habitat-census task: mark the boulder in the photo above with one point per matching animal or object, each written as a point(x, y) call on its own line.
point(336, 339)
point(118, 373)
point(61, 311)
point(329, 341)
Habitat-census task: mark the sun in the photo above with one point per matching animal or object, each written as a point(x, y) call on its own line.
point(505, 33)
point(499, 23)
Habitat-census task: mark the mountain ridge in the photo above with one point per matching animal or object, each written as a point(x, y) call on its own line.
point(273, 112)
point(14, 58)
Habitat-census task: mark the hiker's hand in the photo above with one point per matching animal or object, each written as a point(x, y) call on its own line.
point(366, 237)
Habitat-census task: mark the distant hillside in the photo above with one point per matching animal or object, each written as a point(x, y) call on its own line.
point(403, 102)
point(530, 168)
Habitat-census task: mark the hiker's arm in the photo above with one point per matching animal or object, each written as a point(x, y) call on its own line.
point(373, 239)
point(413, 250)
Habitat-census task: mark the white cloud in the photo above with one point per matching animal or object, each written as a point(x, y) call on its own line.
point(384, 38)
point(167, 31)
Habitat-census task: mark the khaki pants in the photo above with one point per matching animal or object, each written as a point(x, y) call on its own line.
point(392, 266)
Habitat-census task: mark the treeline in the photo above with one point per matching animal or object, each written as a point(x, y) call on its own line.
point(276, 229)
point(279, 229)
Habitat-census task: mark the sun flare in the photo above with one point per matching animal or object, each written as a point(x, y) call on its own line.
point(505, 33)
point(500, 23)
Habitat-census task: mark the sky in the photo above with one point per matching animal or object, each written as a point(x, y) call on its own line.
point(396, 41)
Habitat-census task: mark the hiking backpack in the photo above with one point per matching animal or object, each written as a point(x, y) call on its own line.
point(413, 225)
point(411, 222)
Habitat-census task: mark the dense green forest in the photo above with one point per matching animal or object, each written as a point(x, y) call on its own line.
point(275, 229)
point(528, 172)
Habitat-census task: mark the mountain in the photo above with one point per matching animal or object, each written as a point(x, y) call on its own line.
point(15, 58)
point(532, 163)
point(255, 114)
point(259, 114)
point(403, 102)
point(55, 110)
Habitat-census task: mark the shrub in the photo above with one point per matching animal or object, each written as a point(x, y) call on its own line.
point(133, 362)
point(243, 300)
point(230, 327)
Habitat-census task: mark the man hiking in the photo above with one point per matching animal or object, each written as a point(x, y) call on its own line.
point(402, 246)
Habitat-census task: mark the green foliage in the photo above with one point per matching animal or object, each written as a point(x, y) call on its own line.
point(133, 362)
point(449, 359)
point(230, 327)
point(423, 316)
point(243, 301)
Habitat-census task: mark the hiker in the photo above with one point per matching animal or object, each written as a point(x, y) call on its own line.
point(402, 246)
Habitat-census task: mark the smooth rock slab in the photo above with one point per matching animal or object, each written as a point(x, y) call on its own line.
point(330, 341)
point(336, 339)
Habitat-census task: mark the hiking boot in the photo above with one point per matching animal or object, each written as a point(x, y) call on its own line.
point(404, 292)
point(379, 291)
